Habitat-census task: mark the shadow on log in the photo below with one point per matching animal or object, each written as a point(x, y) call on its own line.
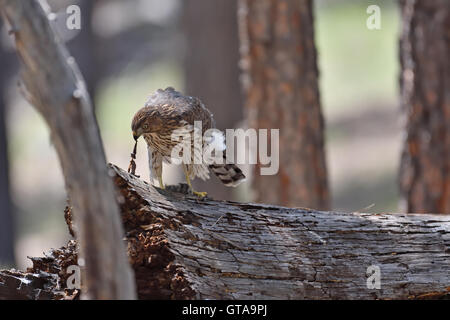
point(182, 247)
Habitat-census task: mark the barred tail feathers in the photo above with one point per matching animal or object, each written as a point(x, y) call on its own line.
point(230, 174)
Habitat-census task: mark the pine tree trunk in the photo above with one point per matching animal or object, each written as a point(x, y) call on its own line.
point(281, 90)
point(425, 80)
point(6, 215)
point(211, 34)
point(84, 47)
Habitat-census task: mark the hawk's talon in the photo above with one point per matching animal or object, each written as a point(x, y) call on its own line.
point(161, 184)
point(188, 180)
point(200, 194)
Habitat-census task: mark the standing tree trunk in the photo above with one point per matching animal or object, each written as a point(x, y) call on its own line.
point(57, 90)
point(84, 47)
point(6, 215)
point(212, 40)
point(280, 82)
point(425, 81)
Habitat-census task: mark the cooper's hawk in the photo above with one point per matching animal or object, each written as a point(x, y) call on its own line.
point(167, 112)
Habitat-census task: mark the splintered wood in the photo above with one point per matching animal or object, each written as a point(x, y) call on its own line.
point(132, 166)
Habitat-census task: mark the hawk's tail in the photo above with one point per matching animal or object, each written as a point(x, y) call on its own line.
point(228, 173)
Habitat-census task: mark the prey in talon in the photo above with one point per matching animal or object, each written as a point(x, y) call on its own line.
point(169, 117)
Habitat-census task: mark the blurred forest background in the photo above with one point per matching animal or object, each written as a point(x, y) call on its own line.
point(128, 49)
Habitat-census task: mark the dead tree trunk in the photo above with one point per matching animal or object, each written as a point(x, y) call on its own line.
point(281, 91)
point(425, 79)
point(55, 87)
point(185, 248)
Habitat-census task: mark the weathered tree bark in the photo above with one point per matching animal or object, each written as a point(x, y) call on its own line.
point(211, 67)
point(6, 214)
point(56, 88)
point(280, 83)
point(425, 81)
point(185, 248)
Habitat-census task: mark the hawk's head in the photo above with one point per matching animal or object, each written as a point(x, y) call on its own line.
point(146, 120)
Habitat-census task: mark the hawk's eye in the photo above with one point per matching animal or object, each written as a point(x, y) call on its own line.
point(145, 126)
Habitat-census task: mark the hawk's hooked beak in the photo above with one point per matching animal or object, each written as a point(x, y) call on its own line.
point(135, 136)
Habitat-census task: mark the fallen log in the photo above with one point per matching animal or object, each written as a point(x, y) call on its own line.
point(181, 247)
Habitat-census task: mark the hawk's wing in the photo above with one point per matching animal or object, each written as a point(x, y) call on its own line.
point(174, 106)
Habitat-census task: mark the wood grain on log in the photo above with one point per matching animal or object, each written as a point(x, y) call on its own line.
point(229, 250)
point(184, 248)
